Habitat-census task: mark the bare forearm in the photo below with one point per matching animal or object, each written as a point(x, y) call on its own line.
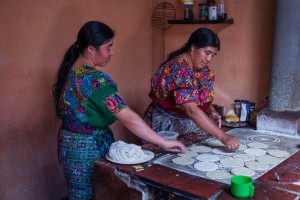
point(203, 121)
point(136, 125)
point(214, 116)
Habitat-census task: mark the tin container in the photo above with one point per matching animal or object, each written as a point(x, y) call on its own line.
point(251, 108)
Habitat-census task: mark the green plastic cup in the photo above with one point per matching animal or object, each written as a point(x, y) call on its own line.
point(241, 186)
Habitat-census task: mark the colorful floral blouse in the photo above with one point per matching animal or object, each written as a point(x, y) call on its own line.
point(90, 100)
point(175, 84)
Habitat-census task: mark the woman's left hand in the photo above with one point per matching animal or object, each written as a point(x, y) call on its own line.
point(216, 118)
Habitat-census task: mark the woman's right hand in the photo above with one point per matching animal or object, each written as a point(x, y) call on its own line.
point(173, 146)
point(230, 142)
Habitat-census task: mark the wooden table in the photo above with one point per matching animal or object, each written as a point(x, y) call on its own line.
point(115, 181)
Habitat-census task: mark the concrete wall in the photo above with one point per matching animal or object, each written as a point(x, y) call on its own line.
point(34, 36)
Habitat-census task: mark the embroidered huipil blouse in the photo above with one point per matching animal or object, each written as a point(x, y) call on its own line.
point(175, 84)
point(90, 100)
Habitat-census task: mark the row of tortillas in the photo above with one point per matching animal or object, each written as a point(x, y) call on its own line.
point(252, 159)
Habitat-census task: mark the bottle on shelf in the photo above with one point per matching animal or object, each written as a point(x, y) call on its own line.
point(212, 10)
point(202, 11)
point(221, 9)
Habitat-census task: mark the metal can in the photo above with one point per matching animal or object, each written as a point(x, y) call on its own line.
point(203, 11)
point(251, 108)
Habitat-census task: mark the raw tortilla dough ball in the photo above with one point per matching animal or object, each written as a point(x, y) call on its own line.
point(244, 171)
point(242, 147)
point(206, 166)
point(183, 160)
point(244, 157)
point(231, 162)
point(257, 145)
point(255, 152)
point(218, 174)
point(215, 143)
point(200, 149)
point(208, 157)
point(222, 151)
point(188, 154)
point(254, 165)
point(270, 160)
point(278, 153)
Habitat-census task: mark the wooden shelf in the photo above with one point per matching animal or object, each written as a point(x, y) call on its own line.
point(195, 21)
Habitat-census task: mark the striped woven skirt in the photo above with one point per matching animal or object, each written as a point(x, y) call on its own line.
point(160, 120)
point(78, 153)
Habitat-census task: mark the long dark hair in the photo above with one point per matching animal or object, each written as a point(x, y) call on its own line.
point(91, 33)
point(200, 38)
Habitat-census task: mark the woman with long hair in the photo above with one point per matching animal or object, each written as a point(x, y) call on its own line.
point(87, 101)
point(182, 91)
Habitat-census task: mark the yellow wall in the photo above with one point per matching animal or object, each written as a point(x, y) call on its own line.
point(34, 36)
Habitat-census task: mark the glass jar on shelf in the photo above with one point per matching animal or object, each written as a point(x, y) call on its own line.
point(188, 10)
point(221, 9)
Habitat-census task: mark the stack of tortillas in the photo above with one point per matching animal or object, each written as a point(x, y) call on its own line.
point(231, 117)
point(121, 151)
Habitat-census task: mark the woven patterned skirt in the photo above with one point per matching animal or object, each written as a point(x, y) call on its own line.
point(160, 120)
point(77, 154)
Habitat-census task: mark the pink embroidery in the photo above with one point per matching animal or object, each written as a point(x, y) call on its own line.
point(79, 96)
point(179, 98)
point(112, 105)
